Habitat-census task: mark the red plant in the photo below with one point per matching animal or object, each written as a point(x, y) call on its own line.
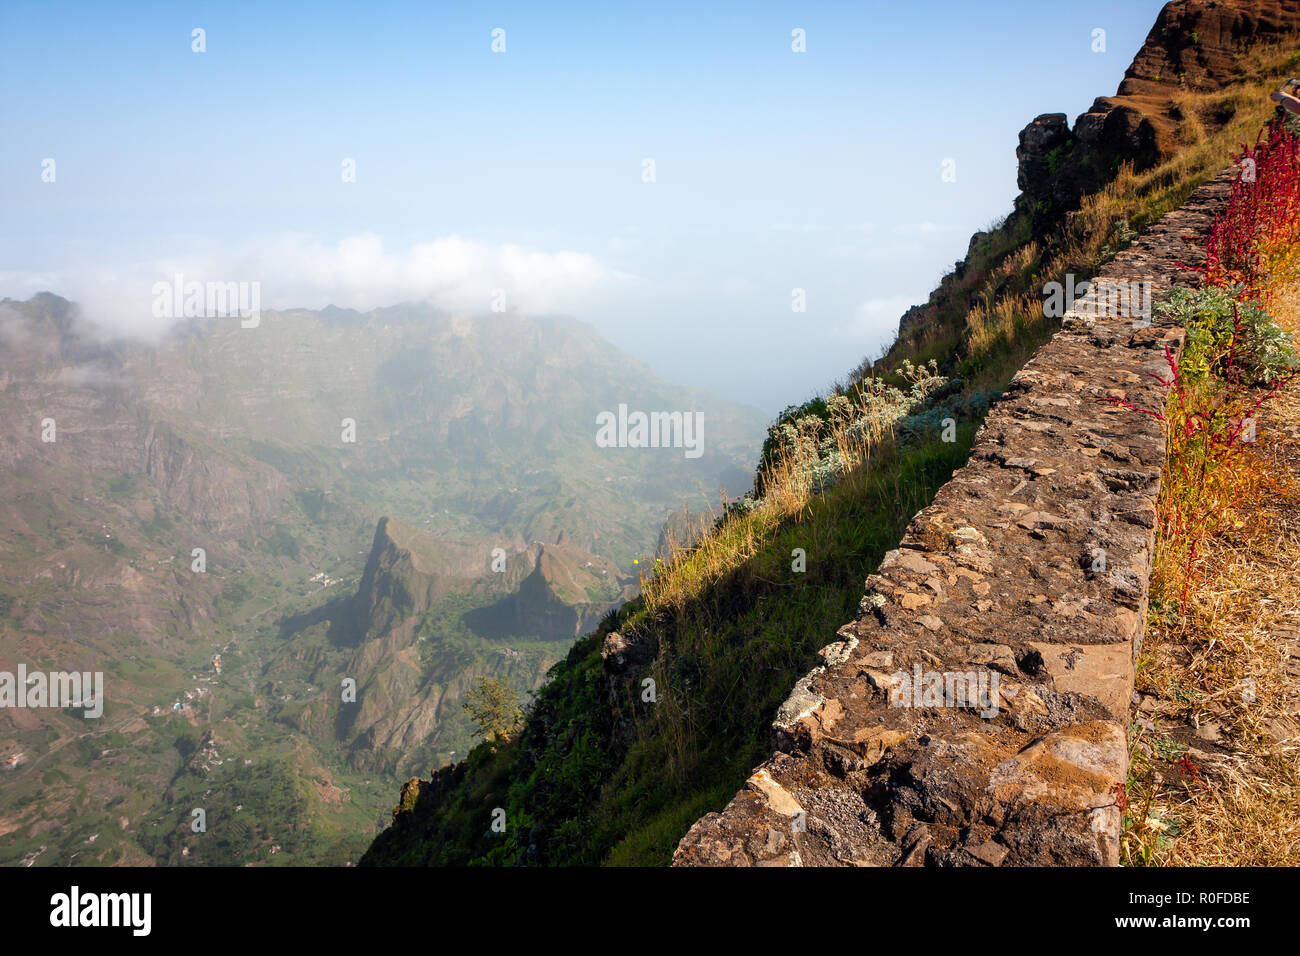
point(1217, 429)
point(1190, 768)
point(1120, 794)
point(1222, 430)
point(1262, 218)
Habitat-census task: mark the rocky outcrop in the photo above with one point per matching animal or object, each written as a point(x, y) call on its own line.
point(229, 495)
point(1200, 44)
point(401, 581)
point(620, 653)
point(403, 702)
point(557, 592)
point(1194, 45)
point(976, 712)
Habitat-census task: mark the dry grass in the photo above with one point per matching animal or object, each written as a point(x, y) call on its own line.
point(1216, 757)
point(861, 420)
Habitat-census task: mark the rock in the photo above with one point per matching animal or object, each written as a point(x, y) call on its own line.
point(1038, 141)
point(618, 653)
point(991, 853)
point(778, 798)
point(1210, 730)
point(908, 561)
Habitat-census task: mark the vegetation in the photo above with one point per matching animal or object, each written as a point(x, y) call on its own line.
point(590, 780)
point(1228, 335)
point(1223, 577)
point(1257, 242)
point(494, 709)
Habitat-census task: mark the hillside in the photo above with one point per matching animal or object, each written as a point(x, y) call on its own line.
point(659, 716)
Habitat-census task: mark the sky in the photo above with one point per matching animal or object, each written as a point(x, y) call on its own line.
point(669, 173)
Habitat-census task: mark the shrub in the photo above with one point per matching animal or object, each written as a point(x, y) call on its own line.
point(1226, 335)
point(494, 709)
point(812, 446)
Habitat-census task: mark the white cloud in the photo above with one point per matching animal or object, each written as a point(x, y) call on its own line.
point(359, 272)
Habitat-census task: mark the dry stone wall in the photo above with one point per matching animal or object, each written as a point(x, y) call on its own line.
point(976, 712)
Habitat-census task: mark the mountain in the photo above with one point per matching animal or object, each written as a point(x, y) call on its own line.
point(231, 521)
point(408, 640)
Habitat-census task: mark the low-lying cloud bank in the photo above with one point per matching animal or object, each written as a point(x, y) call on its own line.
point(359, 272)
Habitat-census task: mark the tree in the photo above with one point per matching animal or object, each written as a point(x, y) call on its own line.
point(494, 709)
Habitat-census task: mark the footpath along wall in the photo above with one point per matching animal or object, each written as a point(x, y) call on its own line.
point(976, 712)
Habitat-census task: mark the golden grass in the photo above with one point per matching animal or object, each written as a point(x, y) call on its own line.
point(859, 424)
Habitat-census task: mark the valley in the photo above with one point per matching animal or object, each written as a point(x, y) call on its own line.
point(199, 531)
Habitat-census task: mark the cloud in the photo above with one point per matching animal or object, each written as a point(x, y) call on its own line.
point(358, 272)
point(13, 327)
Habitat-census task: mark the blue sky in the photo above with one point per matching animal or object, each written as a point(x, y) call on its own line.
point(523, 170)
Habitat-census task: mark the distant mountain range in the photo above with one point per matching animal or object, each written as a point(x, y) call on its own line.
point(200, 519)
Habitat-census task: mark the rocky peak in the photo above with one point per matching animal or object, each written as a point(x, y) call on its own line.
point(1198, 43)
point(400, 582)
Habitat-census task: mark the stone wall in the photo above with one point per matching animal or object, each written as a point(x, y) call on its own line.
point(976, 712)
